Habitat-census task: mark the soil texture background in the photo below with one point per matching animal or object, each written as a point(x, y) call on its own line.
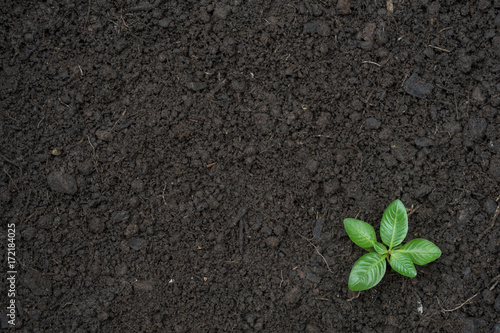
point(186, 166)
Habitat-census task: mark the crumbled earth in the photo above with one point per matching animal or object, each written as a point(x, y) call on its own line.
point(185, 166)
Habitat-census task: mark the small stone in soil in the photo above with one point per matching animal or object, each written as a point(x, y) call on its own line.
point(424, 142)
point(310, 328)
point(464, 63)
point(452, 127)
point(143, 285)
point(372, 123)
point(366, 45)
point(102, 316)
point(478, 96)
point(311, 27)
point(417, 87)
point(318, 228)
point(344, 6)
point(120, 216)
point(137, 243)
point(272, 241)
point(423, 191)
point(477, 127)
point(196, 86)
point(164, 23)
point(313, 277)
point(85, 167)
point(137, 185)
point(104, 135)
point(62, 182)
point(221, 11)
point(324, 30)
point(312, 165)
point(293, 295)
point(354, 191)
point(131, 230)
point(96, 225)
point(494, 170)
point(490, 206)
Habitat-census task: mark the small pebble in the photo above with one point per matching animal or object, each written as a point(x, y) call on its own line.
point(490, 206)
point(62, 182)
point(424, 142)
point(477, 127)
point(310, 28)
point(137, 243)
point(494, 170)
point(96, 225)
point(272, 241)
point(465, 63)
point(221, 11)
point(372, 123)
point(143, 285)
point(104, 135)
point(324, 30)
point(102, 316)
point(313, 277)
point(310, 328)
point(131, 230)
point(452, 127)
point(417, 87)
point(137, 185)
point(423, 191)
point(164, 23)
point(477, 95)
point(120, 216)
point(196, 86)
point(344, 6)
point(293, 295)
point(86, 167)
point(318, 228)
point(312, 165)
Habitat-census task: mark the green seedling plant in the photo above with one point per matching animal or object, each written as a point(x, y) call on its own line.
point(369, 270)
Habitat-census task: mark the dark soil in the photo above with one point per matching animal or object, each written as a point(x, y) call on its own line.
point(180, 166)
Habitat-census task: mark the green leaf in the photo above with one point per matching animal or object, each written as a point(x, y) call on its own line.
point(402, 264)
point(361, 233)
point(421, 251)
point(380, 248)
point(367, 271)
point(394, 225)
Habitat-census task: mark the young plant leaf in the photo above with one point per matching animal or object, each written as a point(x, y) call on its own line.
point(380, 248)
point(402, 264)
point(420, 251)
point(361, 233)
point(367, 272)
point(394, 225)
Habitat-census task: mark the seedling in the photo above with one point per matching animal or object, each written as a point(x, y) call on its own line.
point(370, 268)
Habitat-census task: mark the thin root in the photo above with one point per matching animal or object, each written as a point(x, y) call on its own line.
point(443, 310)
point(317, 251)
point(497, 212)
